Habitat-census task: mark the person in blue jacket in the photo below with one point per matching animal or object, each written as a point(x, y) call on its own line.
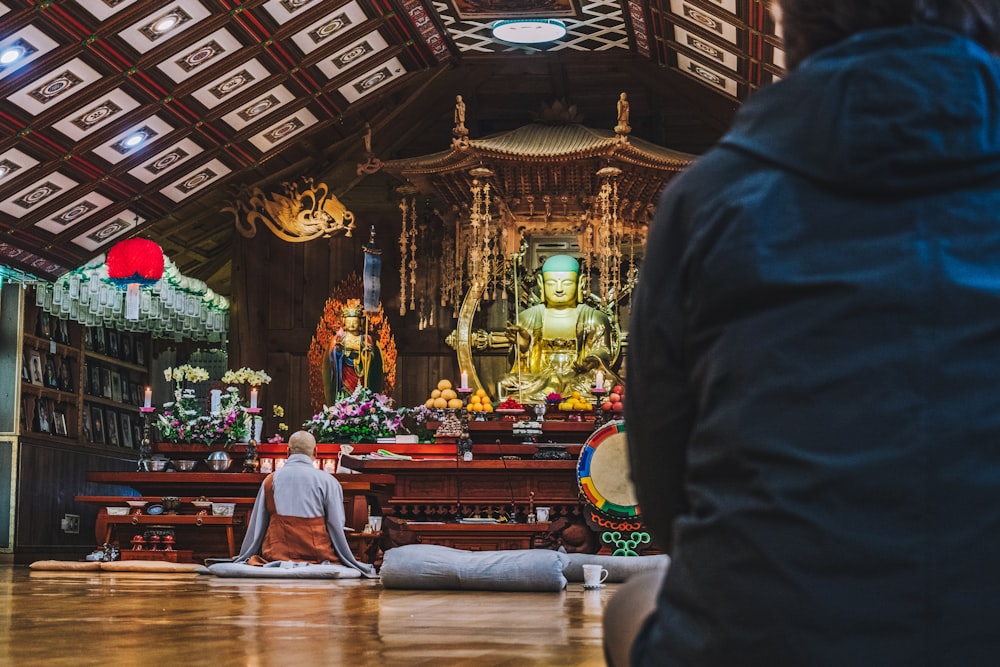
point(814, 387)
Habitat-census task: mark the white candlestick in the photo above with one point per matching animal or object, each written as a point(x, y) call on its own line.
point(599, 380)
point(465, 380)
point(253, 398)
point(216, 400)
point(149, 398)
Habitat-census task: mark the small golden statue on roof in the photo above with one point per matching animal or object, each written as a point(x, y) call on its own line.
point(622, 128)
point(459, 130)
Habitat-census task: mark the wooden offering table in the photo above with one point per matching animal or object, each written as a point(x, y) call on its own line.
point(221, 487)
point(429, 493)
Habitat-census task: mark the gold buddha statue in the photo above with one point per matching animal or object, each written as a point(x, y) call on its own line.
point(353, 358)
point(560, 344)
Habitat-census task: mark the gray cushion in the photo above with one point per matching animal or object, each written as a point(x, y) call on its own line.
point(331, 571)
point(619, 568)
point(428, 566)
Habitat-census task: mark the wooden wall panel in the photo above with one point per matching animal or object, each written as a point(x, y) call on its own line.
point(57, 476)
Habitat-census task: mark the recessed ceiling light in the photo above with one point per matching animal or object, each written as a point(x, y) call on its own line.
point(10, 54)
point(529, 31)
point(166, 23)
point(135, 139)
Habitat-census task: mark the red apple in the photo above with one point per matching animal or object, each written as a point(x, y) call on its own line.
point(618, 389)
point(617, 407)
point(606, 405)
point(614, 397)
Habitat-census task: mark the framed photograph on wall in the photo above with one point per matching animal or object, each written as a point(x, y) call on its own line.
point(95, 380)
point(60, 331)
point(88, 430)
point(126, 430)
point(116, 387)
point(139, 351)
point(65, 377)
point(114, 348)
point(51, 379)
point(43, 413)
point(43, 328)
point(106, 382)
point(98, 340)
point(59, 420)
point(35, 366)
point(25, 362)
point(126, 347)
point(97, 424)
point(111, 427)
point(88, 338)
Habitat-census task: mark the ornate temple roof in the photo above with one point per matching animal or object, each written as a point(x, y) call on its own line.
point(544, 162)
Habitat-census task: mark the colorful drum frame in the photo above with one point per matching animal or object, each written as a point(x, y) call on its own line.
point(592, 477)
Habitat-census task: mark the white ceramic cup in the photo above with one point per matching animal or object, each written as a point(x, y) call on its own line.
point(542, 514)
point(376, 523)
point(594, 576)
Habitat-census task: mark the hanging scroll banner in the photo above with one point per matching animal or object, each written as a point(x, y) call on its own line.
point(372, 277)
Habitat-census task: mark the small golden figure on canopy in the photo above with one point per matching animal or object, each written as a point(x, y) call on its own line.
point(623, 113)
point(353, 357)
point(459, 130)
point(560, 344)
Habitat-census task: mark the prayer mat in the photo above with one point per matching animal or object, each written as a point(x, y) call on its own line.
point(117, 566)
point(284, 570)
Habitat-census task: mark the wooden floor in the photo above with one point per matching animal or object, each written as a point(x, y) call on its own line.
point(77, 619)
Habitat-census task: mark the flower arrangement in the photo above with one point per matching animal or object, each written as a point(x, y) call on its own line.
point(364, 415)
point(278, 412)
point(185, 373)
point(416, 420)
point(246, 376)
point(185, 419)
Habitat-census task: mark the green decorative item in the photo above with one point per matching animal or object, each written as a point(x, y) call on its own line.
point(625, 546)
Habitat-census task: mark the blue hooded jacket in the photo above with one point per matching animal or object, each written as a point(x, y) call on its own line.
point(814, 369)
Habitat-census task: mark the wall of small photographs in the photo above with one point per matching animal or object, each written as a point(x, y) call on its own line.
point(82, 384)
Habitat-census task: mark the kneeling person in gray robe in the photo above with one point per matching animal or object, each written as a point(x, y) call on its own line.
point(299, 514)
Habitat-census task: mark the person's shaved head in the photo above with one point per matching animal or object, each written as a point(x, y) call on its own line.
point(302, 442)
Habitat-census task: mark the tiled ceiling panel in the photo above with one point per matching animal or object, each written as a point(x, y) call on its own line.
point(122, 117)
point(140, 105)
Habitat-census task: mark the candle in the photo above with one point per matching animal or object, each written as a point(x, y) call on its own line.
point(465, 380)
point(253, 398)
point(149, 398)
point(216, 400)
point(599, 380)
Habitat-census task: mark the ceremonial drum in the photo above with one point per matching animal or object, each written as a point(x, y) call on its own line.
point(602, 473)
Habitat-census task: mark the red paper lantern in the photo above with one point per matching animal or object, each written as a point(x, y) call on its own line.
point(135, 261)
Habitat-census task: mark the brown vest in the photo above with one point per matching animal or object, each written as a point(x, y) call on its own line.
point(303, 539)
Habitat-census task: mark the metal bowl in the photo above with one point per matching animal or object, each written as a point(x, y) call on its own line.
point(218, 461)
point(185, 466)
point(219, 465)
point(156, 465)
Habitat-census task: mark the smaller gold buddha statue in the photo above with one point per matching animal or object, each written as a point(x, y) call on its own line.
point(353, 357)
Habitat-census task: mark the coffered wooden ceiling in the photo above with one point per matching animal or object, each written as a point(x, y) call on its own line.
point(144, 117)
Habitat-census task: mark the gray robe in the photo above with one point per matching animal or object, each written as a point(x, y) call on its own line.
point(302, 490)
